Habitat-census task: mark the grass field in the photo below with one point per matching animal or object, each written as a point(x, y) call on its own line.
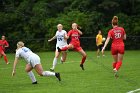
point(97, 77)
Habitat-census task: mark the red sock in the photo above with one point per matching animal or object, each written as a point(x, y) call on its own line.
point(5, 58)
point(118, 65)
point(83, 60)
point(64, 48)
point(114, 64)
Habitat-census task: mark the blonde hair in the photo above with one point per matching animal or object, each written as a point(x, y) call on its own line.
point(115, 20)
point(59, 25)
point(20, 44)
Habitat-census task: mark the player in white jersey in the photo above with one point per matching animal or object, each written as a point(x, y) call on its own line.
point(61, 42)
point(33, 61)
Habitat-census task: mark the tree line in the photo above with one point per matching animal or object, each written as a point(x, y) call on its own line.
point(37, 19)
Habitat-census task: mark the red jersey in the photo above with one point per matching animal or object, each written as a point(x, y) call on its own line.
point(74, 35)
point(3, 43)
point(117, 35)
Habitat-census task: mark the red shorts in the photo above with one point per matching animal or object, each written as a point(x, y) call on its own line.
point(117, 49)
point(77, 47)
point(1, 51)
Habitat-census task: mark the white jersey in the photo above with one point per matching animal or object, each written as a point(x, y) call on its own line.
point(61, 41)
point(25, 53)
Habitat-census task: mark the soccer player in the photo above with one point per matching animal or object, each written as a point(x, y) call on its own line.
point(61, 42)
point(74, 34)
point(99, 43)
point(3, 44)
point(33, 61)
point(117, 34)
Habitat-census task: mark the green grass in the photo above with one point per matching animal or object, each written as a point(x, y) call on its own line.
point(97, 77)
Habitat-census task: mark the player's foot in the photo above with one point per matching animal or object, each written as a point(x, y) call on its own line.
point(103, 55)
point(98, 56)
point(82, 66)
point(115, 73)
point(34, 82)
point(59, 50)
point(51, 69)
point(8, 63)
point(58, 76)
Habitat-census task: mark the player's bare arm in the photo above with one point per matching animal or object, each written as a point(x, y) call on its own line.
point(52, 39)
point(80, 32)
point(14, 66)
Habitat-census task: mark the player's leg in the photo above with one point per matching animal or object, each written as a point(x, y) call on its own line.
point(84, 55)
point(70, 46)
point(64, 56)
point(119, 63)
point(5, 57)
point(55, 60)
point(98, 50)
point(28, 69)
point(39, 70)
point(120, 57)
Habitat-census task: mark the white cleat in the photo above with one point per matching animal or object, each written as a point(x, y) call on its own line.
point(115, 73)
point(8, 63)
point(51, 69)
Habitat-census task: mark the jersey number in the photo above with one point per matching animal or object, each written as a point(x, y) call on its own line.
point(117, 35)
point(59, 39)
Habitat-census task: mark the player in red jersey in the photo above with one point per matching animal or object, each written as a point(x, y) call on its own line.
point(3, 44)
point(117, 34)
point(74, 34)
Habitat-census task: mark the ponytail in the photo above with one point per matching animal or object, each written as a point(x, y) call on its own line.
point(115, 20)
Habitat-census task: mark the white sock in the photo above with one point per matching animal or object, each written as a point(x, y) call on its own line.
point(48, 73)
point(54, 62)
point(32, 77)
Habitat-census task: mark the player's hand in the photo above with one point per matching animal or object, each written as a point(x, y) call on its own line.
point(103, 49)
point(49, 40)
point(13, 73)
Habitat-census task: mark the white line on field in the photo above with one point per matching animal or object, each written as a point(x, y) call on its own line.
point(134, 90)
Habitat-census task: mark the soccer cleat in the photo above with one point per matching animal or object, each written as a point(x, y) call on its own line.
point(8, 63)
point(115, 73)
point(34, 82)
point(58, 76)
point(51, 69)
point(59, 50)
point(82, 66)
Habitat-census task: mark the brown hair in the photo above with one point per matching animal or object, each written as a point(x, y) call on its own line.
point(115, 20)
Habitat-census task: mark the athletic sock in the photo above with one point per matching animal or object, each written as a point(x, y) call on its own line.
point(48, 73)
point(83, 60)
point(54, 62)
point(114, 64)
point(64, 48)
point(5, 58)
point(118, 65)
point(32, 77)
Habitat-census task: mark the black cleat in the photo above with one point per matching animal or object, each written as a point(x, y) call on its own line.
point(34, 82)
point(58, 76)
point(59, 50)
point(82, 66)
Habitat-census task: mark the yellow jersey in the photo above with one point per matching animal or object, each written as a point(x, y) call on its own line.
point(99, 39)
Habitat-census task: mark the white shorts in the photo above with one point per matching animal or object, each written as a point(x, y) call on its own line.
point(60, 46)
point(34, 60)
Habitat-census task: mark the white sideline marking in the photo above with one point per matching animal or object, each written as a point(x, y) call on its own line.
point(134, 90)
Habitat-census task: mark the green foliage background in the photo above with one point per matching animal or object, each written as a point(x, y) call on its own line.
point(37, 19)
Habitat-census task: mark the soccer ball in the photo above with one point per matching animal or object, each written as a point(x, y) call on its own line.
point(103, 39)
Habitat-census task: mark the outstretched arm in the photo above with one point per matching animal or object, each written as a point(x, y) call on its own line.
point(52, 39)
point(14, 66)
point(106, 42)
